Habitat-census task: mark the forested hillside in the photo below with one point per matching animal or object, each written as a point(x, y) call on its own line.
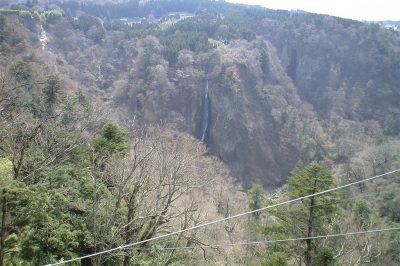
point(126, 120)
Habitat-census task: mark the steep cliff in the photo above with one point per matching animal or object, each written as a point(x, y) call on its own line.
point(254, 121)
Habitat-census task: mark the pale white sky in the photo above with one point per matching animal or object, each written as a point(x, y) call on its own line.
point(355, 9)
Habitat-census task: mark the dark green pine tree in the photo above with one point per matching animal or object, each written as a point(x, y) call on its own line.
point(112, 140)
point(307, 218)
point(318, 210)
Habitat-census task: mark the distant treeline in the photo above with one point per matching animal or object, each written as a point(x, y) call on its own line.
point(133, 9)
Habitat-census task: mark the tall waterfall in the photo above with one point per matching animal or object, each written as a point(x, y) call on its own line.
point(43, 37)
point(205, 115)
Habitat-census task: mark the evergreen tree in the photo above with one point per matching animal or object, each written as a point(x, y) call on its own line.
point(318, 209)
point(112, 140)
point(310, 217)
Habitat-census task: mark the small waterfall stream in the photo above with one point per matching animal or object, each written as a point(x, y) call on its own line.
point(43, 37)
point(205, 115)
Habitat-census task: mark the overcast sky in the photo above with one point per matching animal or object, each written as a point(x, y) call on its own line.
point(355, 9)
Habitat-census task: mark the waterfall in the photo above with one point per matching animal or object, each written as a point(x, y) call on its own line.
point(205, 115)
point(43, 37)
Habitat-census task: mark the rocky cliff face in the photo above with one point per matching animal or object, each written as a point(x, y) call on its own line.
point(248, 108)
point(255, 124)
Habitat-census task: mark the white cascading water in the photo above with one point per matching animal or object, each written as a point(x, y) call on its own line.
point(43, 37)
point(205, 114)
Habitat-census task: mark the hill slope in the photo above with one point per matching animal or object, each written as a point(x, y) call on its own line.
point(283, 87)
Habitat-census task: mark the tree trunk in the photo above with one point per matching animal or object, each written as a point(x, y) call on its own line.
point(97, 259)
point(17, 167)
point(94, 210)
point(128, 236)
point(307, 254)
point(3, 228)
